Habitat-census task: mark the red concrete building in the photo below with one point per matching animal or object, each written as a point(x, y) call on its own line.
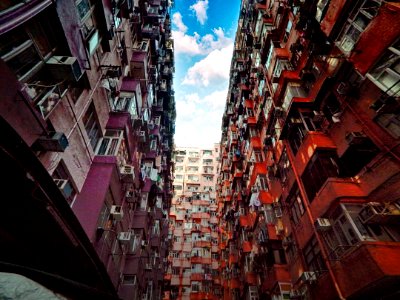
point(308, 191)
point(193, 261)
point(87, 114)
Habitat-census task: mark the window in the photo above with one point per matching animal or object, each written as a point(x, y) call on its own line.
point(358, 20)
point(91, 125)
point(110, 143)
point(350, 226)
point(126, 102)
point(322, 7)
point(62, 179)
point(287, 31)
point(129, 279)
point(281, 65)
point(269, 57)
point(386, 73)
point(293, 89)
point(261, 182)
point(284, 167)
point(24, 48)
point(313, 257)
point(290, 248)
point(296, 205)
point(323, 164)
point(299, 124)
point(195, 286)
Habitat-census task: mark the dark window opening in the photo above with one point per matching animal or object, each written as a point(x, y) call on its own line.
point(323, 164)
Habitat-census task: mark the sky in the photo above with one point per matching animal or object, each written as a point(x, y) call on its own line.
point(203, 33)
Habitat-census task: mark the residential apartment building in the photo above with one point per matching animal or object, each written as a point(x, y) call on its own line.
point(87, 117)
point(308, 189)
point(193, 261)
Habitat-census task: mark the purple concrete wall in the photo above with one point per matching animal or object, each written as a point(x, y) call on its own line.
point(14, 109)
point(89, 202)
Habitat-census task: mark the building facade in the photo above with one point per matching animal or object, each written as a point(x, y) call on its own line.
point(193, 261)
point(87, 92)
point(308, 189)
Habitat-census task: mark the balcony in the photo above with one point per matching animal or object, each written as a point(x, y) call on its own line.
point(278, 273)
point(312, 141)
point(377, 259)
point(333, 189)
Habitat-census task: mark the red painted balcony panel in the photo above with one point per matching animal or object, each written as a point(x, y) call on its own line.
point(248, 103)
point(272, 232)
point(251, 121)
point(333, 189)
point(196, 276)
point(380, 260)
point(233, 259)
point(278, 273)
point(255, 142)
point(383, 31)
point(234, 283)
point(281, 53)
point(332, 14)
point(311, 142)
point(265, 197)
point(251, 278)
point(246, 246)
point(202, 244)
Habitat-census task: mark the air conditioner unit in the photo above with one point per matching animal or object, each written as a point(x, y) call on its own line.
point(142, 136)
point(124, 236)
point(322, 224)
point(148, 266)
point(308, 277)
point(355, 138)
point(56, 142)
point(65, 186)
point(62, 67)
point(378, 213)
point(127, 171)
point(117, 212)
point(295, 294)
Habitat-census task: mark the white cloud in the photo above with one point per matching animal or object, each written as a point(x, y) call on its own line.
point(195, 44)
point(200, 9)
point(214, 68)
point(177, 21)
point(199, 119)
